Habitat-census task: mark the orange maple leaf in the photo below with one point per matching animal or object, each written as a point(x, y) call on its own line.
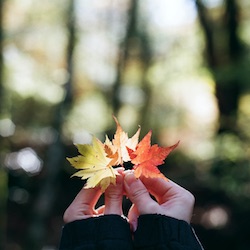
point(98, 162)
point(120, 143)
point(146, 158)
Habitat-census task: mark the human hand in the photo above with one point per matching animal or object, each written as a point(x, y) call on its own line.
point(83, 206)
point(171, 199)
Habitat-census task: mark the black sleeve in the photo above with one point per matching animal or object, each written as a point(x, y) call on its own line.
point(110, 232)
point(159, 232)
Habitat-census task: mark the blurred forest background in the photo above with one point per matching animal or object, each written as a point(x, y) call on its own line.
point(180, 68)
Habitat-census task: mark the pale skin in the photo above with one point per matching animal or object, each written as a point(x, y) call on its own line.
point(171, 200)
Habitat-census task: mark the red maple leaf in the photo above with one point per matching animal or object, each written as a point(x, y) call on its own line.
point(146, 158)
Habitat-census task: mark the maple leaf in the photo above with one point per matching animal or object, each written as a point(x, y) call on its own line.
point(95, 164)
point(120, 143)
point(146, 158)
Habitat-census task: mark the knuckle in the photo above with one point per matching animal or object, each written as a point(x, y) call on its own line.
point(74, 212)
point(189, 198)
point(66, 216)
point(138, 193)
point(114, 194)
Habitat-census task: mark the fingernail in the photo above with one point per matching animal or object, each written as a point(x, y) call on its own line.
point(129, 178)
point(133, 226)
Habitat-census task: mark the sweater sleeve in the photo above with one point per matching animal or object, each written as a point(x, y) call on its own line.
point(104, 232)
point(159, 232)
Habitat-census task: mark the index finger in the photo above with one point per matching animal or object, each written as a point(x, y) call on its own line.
point(83, 205)
point(88, 196)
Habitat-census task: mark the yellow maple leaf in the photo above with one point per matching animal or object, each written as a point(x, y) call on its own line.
point(121, 142)
point(95, 164)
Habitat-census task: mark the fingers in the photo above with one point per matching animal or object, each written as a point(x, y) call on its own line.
point(161, 188)
point(164, 189)
point(133, 215)
point(175, 201)
point(172, 199)
point(114, 196)
point(139, 195)
point(83, 205)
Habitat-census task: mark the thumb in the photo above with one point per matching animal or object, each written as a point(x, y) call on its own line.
point(139, 195)
point(114, 196)
point(133, 217)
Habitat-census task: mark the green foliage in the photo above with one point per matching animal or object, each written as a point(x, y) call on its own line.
point(68, 68)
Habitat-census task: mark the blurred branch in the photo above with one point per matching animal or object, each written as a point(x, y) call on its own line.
point(3, 174)
point(232, 18)
point(1, 56)
point(146, 56)
point(124, 53)
point(135, 41)
point(3, 202)
point(208, 32)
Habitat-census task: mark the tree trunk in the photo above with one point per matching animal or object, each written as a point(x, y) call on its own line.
point(228, 85)
point(55, 155)
point(124, 54)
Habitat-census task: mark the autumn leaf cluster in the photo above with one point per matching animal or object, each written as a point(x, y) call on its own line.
point(99, 161)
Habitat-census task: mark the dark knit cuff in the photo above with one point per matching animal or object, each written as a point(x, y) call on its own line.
point(162, 232)
point(103, 232)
